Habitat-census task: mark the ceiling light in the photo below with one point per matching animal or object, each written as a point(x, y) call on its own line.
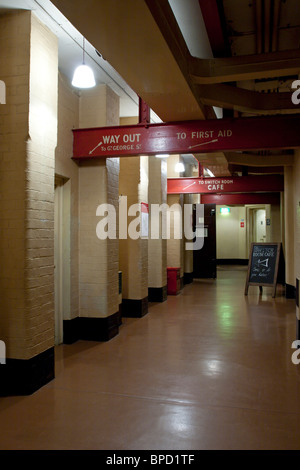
point(162, 156)
point(83, 76)
point(179, 167)
point(210, 172)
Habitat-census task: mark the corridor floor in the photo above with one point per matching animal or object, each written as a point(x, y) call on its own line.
point(207, 369)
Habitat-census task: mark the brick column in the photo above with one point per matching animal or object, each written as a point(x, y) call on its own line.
point(99, 317)
point(134, 253)
point(175, 246)
point(289, 215)
point(157, 248)
point(29, 67)
point(188, 254)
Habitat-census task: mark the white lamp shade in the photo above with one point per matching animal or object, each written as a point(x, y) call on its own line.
point(83, 77)
point(179, 167)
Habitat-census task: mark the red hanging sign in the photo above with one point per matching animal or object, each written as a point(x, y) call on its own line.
point(255, 133)
point(234, 184)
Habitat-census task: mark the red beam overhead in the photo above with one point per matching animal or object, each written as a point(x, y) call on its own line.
point(212, 20)
point(235, 184)
point(257, 133)
point(241, 199)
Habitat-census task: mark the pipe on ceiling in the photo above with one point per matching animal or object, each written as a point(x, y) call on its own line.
point(258, 20)
point(276, 16)
point(267, 15)
point(267, 24)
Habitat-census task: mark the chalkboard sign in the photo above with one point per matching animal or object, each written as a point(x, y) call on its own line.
point(263, 265)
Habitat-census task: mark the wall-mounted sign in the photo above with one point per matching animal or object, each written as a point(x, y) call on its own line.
point(224, 210)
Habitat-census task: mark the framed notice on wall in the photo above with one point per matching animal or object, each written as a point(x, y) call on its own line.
point(263, 265)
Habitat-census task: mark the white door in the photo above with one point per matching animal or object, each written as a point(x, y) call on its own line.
point(260, 225)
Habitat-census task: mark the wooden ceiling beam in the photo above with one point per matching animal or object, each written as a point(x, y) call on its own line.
point(240, 99)
point(255, 160)
point(248, 67)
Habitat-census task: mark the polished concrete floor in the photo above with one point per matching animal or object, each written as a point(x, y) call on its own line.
point(208, 369)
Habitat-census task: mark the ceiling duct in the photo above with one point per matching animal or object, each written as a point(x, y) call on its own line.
point(267, 13)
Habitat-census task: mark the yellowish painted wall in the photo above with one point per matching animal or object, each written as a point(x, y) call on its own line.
point(134, 253)
point(65, 167)
point(29, 67)
point(297, 213)
point(157, 248)
point(98, 184)
point(231, 237)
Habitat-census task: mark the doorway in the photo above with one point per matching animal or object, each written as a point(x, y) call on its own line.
point(257, 225)
point(62, 256)
point(204, 260)
point(260, 225)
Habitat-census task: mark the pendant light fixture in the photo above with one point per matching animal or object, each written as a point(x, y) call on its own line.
point(179, 167)
point(83, 76)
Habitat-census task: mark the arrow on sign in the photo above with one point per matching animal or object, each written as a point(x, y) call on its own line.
point(189, 185)
point(203, 143)
point(100, 143)
point(264, 262)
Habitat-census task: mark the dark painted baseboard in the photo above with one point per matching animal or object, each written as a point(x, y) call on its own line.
point(157, 294)
point(99, 329)
point(243, 262)
point(188, 278)
point(71, 329)
point(120, 314)
point(134, 308)
point(26, 376)
point(91, 329)
point(181, 283)
point(290, 292)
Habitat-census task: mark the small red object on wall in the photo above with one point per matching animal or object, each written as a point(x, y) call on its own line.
point(242, 224)
point(173, 281)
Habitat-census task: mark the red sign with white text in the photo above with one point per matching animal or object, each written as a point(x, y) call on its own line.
point(234, 184)
point(255, 133)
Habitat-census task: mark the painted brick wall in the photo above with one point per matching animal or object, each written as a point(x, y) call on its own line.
point(41, 144)
point(98, 184)
point(68, 118)
point(175, 247)
point(28, 65)
point(157, 249)
point(134, 253)
point(297, 213)
point(188, 254)
point(113, 169)
point(175, 254)
point(14, 122)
